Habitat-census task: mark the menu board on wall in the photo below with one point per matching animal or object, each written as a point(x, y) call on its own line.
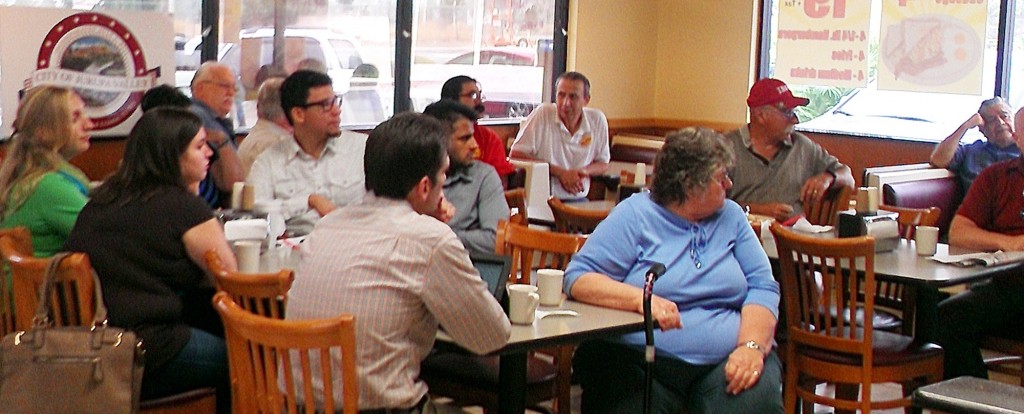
point(932, 46)
point(823, 42)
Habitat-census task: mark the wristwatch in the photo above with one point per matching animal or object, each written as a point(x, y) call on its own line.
point(755, 346)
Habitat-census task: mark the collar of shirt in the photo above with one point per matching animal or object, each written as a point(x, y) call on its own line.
point(270, 126)
point(745, 135)
point(223, 121)
point(584, 124)
point(1017, 167)
point(458, 174)
point(295, 151)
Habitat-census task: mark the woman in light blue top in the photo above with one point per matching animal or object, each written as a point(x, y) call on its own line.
point(39, 189)
point(717, 304)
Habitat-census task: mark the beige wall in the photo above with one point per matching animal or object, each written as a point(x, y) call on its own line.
point(612, 42)
point(666, 59)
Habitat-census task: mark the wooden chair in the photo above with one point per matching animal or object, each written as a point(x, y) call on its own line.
point(823, 348)
point(824, 212)
point(516, 199)
point(73, 304)
point(264, 294)
point(532, 249)
point(569, 219)
point(910, 217)
point(258, 345)
point(19, 240)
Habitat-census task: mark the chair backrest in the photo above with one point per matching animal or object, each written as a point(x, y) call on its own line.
point(822, 290)
point(19, 240)
point(258, 345)
point(516, 199)
point(569, 219)
point(72, 301)
point(910, 217)
point(824, 212)
point(532, 249)
point(264, 294)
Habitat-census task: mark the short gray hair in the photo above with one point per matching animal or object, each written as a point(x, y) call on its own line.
point(991, 102)
point(268, 100)
point(688, 162)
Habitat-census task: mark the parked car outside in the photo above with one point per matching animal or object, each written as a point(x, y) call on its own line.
point(510, 77)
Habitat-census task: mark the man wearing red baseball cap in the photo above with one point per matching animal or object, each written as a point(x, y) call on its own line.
point(779, 171)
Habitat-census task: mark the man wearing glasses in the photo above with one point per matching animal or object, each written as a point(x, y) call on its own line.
point(995, 120)
point(466, 90)
point(315, 171)
point(213, 95)
point(779, 171)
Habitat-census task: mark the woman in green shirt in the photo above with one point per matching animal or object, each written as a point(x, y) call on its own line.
point(39, 189)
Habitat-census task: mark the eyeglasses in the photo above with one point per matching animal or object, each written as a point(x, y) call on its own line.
point(472, 95)
point(326, 104)
point(786, 112)
point(226, 85)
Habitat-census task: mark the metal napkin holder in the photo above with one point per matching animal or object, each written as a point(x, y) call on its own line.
point(882, 225)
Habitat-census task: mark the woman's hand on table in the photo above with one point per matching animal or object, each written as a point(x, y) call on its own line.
point(743, 369)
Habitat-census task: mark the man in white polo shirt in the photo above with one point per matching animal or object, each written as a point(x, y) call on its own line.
point(571, 138)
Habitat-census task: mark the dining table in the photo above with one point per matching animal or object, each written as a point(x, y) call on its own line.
point(591, 322)
point(922, 274)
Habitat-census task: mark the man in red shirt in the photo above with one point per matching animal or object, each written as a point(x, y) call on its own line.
point(466, 91)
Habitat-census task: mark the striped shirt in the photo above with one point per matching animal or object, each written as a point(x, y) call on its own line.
point(400, 274)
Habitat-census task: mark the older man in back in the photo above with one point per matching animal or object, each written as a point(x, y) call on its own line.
point(321, 167)
point(990, 218)
point(995, 120)
point(213, 95)
point(271, 126)
point(778, 171)
point(570, 137)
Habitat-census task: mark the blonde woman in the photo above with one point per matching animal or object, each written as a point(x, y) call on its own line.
point(39, 188)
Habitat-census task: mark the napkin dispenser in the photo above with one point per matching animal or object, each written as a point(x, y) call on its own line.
point(882, 225)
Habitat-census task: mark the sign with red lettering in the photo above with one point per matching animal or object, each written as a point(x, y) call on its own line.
point(823, 42)
point(932, 46)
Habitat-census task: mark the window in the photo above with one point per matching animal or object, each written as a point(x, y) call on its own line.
point(500, 43)
point(923, 50)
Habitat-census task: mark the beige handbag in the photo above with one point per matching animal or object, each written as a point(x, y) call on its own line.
point(72, 369)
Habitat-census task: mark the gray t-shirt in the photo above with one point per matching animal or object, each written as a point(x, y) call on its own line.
point(757, 180)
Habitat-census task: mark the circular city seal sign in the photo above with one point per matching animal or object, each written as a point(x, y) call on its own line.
point(100, 59)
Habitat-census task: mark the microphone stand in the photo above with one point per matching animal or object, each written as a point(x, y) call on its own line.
point(656, 270)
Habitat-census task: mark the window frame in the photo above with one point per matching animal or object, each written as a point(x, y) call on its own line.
point(210, 18)
point(1002, 65)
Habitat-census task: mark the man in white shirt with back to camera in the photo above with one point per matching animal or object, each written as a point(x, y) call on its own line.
point(571, 138)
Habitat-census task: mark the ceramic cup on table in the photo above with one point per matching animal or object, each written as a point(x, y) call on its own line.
point(549, 286)
point(248, 254)
point(926, 238)
point(522, 304)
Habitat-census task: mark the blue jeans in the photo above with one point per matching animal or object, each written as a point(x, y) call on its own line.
point(612, 378)
point(202, 363)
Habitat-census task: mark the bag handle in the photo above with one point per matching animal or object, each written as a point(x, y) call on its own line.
point(42, 316)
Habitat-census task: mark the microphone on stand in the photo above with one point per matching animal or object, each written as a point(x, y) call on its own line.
point(656, 270)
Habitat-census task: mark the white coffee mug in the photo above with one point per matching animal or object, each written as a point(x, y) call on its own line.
point(522, 304)
point(549, 286)
point(248, 254)
point(926, 238)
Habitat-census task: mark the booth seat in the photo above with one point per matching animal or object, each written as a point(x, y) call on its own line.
point(918, 186)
